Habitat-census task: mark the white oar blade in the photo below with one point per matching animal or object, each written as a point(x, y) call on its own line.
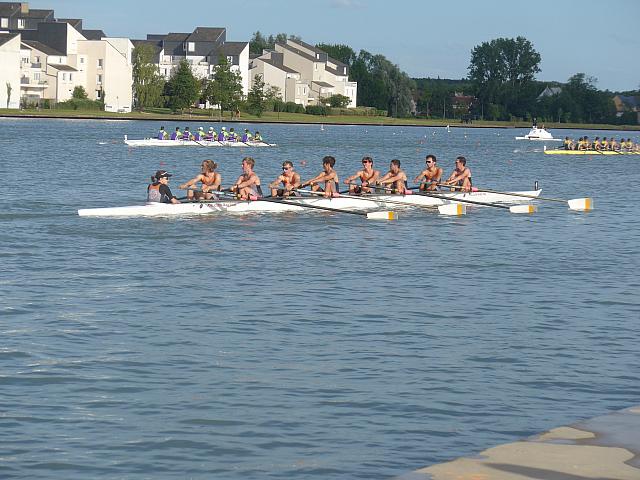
point(385, 215)
point(527, 208)
point(581, 204)
point(452, 209)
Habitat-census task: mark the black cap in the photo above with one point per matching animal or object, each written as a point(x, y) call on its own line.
point(162, 173)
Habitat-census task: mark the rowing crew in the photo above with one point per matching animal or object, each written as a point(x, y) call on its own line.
point(248, 186)
point(200, 135)
point(584, 143)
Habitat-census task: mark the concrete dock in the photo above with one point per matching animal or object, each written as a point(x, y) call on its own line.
point(601, 448)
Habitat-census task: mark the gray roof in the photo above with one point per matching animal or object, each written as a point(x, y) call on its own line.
point(63, 68)
point(38, 13)
point(46, 49)
point(8, 9)
point(206, 34)
point(298, 52)
point(93, 34)
point(176, 37)
point(277, 65)
point(317, 50)
point(5, 37)
point(630, 102)
point(234, 48)
point(74, 22)
point(323, 84)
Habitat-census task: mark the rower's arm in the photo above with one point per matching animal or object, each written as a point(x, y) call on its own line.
point(391, 179)
point(276, 182)
point(350, 179)
point(317, 179)
point(190, 183)
point(419, 178)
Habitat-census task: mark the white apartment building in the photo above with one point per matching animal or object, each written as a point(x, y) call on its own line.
point(323, 75)
point(9, 70)
point(202, 49)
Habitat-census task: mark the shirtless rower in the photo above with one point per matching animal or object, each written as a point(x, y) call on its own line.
point(368, 176)
point(431, 176)
point(328, 177)
point(289, 181)
point(209, 179)
point(248, 184)
point(461, 176)
point(395, 179)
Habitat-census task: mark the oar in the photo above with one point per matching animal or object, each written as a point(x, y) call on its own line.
point(574, 204)
point(382, 215)
point(379, 201)
point(528, 208)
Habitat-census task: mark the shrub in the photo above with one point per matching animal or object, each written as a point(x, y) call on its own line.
point(317, 110)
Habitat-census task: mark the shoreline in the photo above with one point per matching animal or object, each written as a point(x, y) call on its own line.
point(294, 119)
point(607, 446)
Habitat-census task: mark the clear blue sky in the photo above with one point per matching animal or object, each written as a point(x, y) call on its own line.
point(425, 38)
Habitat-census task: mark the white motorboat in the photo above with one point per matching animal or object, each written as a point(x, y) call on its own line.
point(539, 134)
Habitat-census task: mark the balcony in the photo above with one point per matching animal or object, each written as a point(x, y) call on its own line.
point(30, 83)
point(36, 65)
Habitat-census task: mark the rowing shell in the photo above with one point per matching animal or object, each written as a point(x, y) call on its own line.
point(297, 204)
point(154, 142)
point(588, 152)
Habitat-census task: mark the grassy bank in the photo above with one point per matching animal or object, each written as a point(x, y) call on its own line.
point(284, 117)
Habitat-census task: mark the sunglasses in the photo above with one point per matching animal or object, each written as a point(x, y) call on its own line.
point(429, 162)
point(286, 168)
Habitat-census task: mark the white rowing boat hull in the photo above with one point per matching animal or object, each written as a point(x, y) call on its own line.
point(539, 139)
point(297, 204)
point(154, 142)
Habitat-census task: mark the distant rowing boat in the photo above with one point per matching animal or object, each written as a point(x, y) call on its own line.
point(539, 134)
point(297, 204)
point(154, 142)
point(589, 152)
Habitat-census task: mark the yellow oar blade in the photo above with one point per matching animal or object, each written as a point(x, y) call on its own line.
point(452, 209)
point(385, 215)
point(581, 204)
point(527, 208)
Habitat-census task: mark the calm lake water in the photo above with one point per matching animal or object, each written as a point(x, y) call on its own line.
point(302, 346)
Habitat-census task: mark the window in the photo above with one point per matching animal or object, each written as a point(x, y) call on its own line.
point(98, 94)
point(70, 76)
point(4, 22)
point(36, 75)
point(304, 91)
point(37, 59)
point(21, 23)
point(99, 79)
point(81, 59)
point(64, 76)
point(191, 46)
point(315, 66)
point(100, 62)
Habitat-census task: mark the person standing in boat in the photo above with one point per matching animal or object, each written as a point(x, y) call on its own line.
point(209, 179)
point(289, 180)
point(247, 187)
point(461, 176)
point(162, 134)
point(328, 177)
point(431, 176)
point(395, 179)
point(367, 176)
point(159, 190)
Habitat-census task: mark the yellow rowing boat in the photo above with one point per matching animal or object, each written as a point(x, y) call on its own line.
point(588, 152)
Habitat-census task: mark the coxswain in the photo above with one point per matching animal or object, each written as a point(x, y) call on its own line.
point(162, 134)
point(328, 178)
point(431, 176)
point(159, 190)
point(177, 135)
point(288, 181)
point(461, 176)
point(247, 137)
point(210, 180)
point(395, 179)
point(367, 176)
point(247, 187)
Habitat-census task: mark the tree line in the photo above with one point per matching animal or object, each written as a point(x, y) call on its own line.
point(501, 84)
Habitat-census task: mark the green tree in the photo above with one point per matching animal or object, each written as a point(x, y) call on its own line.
point(256, 103)
point(9, 88)
point(182, 89)
point(337, 101)
point(148, 84)
point(225, 89)
point(502, 71)
point(79, 93)
point(342, 53)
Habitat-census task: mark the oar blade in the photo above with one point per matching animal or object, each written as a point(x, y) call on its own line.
point(452, 209)
point(581, 204)
point(526, 208)
point(383, 215)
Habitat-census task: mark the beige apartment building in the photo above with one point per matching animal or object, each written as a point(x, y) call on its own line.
point(304, 74)
point(9, 70)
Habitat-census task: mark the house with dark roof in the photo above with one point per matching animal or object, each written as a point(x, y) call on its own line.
point(325, 76)
point(18, 16)
point(202, 49)
point(271, 69)
point(549, 92)
point(627, 103)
